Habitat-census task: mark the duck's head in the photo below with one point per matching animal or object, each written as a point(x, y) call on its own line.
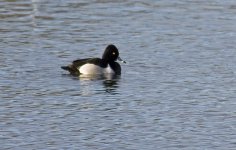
point(111, 54)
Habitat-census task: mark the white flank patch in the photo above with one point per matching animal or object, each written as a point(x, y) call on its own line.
point(94, 69)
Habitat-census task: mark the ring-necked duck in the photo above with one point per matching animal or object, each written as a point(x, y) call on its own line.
point(90, 66)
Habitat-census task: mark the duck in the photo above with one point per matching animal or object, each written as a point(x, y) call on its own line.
point(97, 66)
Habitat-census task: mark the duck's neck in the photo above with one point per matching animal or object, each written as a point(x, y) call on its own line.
point(105, 62)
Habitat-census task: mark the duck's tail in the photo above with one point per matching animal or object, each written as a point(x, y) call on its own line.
point(68, 68)
point(71, 69)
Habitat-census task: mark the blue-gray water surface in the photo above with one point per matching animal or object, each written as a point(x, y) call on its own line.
point(177, 90)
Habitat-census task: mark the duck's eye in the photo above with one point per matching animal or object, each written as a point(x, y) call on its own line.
point(113, 53)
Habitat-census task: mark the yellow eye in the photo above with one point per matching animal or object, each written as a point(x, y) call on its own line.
point(113, 53)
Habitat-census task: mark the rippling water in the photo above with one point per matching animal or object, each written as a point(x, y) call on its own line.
point(177, 90)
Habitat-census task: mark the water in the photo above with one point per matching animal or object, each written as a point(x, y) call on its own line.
point(177, 90)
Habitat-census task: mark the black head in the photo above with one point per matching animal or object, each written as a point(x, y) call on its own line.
point(111, 53)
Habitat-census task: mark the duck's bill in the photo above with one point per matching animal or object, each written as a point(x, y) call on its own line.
point(121, 60)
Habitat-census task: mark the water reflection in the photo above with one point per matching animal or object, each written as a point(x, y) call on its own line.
point(87, 83)
point(109, 81)
point(111, 85)
point(98, 77)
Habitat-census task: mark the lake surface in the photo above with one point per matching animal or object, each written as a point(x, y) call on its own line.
point(177, 90)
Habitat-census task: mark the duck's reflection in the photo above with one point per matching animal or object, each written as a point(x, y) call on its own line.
point(111, 85)
point(84, 77)
point(109, 81)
